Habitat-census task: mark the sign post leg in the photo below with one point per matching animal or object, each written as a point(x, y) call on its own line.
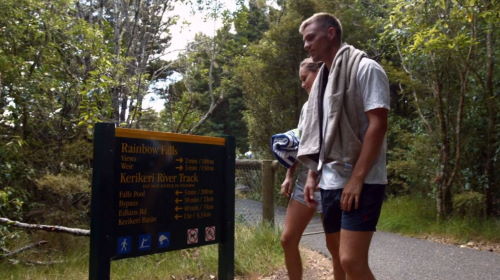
point(102, 174)
point(226, 247)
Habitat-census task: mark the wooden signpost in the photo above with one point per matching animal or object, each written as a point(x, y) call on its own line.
point(154, 192)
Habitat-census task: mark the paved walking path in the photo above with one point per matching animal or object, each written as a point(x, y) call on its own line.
point(394, 257)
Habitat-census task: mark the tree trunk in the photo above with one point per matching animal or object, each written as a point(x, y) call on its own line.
point(443, 201)
point(491, 145)
point(123, 108)
point(214, 99)
point(443, 190)
point(115, 104)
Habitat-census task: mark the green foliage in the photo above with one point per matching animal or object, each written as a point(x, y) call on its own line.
point(250, 22)
point(273, 61)
point(277, 95)
point(12, 172)
point(135, 36)
point(58, 65)
point(209, 99)
point(469, 204)
point(76, 156)
point(10, 203)
point(410, 157)
point(36, 38)
point(45, 65)
point(444, 49)
point(361, 20)
point(13, 169)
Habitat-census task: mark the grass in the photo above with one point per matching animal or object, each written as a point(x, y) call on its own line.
point(416, 216)
point(257, 251)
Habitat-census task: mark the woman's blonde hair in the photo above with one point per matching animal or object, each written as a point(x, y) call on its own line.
point(310, 65)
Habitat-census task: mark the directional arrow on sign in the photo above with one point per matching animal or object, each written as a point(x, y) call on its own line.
point(177, 217)
point(177, 208)
point(180, 168)
point(178, 192)
point(181, 160)
point(177, 200)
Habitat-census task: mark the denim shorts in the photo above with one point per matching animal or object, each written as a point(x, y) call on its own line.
point(298, 190)
point(298, 195)
point(364, 218)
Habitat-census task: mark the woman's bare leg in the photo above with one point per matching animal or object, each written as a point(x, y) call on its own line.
point(333, 245)
point(297, 217)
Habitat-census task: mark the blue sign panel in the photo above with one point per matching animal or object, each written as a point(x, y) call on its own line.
point(144, 243)
point(123, 245)
point(163, 239)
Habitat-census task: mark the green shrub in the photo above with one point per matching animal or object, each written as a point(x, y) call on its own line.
point(62, 199)
point(62, 184)
point(469, 204)
point(11, 207)
point(14, 176)
point(411, 156)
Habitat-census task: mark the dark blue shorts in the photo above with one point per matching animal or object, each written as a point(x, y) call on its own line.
point(364, 218)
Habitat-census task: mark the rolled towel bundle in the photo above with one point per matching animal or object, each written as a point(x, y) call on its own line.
point(285, 146)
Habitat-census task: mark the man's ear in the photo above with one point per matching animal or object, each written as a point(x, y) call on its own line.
point(332, 33)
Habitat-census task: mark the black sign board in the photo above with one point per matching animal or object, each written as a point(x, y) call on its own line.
point(154, 192)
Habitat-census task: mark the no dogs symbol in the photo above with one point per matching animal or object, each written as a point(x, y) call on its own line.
point(210, 233)
point(192, 236)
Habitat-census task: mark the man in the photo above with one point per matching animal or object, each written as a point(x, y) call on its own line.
point(343, 144)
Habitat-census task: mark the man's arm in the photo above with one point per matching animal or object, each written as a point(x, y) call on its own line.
point(374, 137)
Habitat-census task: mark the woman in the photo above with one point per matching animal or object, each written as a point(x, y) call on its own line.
point(298, 214)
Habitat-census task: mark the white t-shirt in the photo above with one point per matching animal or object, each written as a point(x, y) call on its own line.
point(374, 88)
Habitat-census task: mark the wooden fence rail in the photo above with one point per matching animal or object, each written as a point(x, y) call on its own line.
point(268, 169)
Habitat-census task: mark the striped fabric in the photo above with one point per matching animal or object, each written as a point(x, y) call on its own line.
point(285, 146)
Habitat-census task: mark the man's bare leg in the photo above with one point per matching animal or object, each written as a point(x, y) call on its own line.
point(354, 246)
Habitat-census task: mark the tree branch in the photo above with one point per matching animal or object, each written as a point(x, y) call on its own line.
point(51, 228)
point(214, 103)
point(464, 79)
point(9, 254)
point(414, 93)
point(22, 249)
point(212, 108)
point(41, 263)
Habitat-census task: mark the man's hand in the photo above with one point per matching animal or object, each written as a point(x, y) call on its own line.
point(373, 140)
point(351, 194)
point(310, 188)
